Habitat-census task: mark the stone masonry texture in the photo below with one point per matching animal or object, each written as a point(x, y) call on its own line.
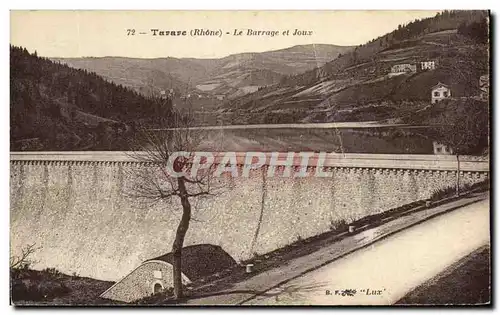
point(81, 217)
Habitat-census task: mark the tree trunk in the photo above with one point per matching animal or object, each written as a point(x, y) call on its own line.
point(179, 238)
point(458, 176)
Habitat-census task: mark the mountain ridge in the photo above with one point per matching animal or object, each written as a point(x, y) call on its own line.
point(202, 58)
point(184, 74)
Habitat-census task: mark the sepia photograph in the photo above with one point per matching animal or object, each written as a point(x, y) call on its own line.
point(250, 158)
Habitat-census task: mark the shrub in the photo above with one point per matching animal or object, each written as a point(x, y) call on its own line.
point(52, 271)
point(451, 190)
point(441, 193)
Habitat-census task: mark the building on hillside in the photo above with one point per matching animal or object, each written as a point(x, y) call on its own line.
point(427, 65)
point(484, 87)
point(155, 275)
point(439, 92)
point(403, 68)
point(441, 149)
point(220, 97)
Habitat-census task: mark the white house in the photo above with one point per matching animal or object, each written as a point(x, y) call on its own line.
point(428, 65)
point(439, 92)
point(441, 149)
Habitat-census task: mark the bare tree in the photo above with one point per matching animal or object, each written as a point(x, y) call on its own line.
point(173, 171)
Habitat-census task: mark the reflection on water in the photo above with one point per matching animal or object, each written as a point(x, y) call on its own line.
point(362, 140)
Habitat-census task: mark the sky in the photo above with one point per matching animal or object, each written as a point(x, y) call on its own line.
point(104, 33)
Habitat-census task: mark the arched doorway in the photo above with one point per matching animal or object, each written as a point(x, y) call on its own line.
point(157, 288)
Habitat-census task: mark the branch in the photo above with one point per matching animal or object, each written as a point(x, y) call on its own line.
point(203, 193)
point(23, 259)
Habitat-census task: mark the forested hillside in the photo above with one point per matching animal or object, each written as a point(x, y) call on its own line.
point(55, 107)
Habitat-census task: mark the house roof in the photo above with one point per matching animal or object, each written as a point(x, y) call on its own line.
point(440, 85)
point(201, 260)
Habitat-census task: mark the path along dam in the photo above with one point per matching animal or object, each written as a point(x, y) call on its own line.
point(75, 206)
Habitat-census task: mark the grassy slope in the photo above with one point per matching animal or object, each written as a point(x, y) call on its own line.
point(375, 88)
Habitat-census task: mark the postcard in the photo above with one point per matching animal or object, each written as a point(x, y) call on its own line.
point(250, 158)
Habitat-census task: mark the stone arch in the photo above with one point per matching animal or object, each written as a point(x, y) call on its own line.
point(141, 282)
point(199, 261)
point(157, 287)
